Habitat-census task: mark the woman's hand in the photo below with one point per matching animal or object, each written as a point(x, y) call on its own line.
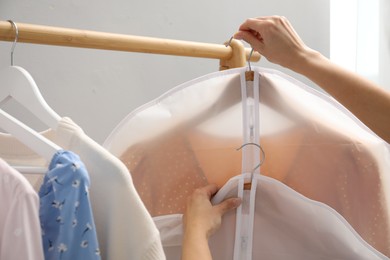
point(201, 216)
point(274, 38)
point(201, 219)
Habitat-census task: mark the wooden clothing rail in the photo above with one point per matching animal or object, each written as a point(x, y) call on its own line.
point(232, 56)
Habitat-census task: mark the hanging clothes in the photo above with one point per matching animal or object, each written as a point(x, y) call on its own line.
point(20, 231)
point(65, 212)
point(189, 137)
point(119, 214)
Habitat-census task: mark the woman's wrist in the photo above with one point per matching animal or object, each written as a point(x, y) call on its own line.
point(196, 231)
point(195, 244)
point(305, 61)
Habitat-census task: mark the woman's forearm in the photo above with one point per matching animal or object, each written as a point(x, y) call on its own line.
point(367, 101)
point(195, 246)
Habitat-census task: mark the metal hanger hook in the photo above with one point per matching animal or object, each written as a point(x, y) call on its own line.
point(262, 152)
point(15, 41)
point(250, 54)
point(249, 60)
point(229, 42)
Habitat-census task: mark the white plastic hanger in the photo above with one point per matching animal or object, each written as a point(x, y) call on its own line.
point(17, 83)
point(41, 145)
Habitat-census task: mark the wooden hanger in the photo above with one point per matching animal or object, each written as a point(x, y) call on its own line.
point(250, 75)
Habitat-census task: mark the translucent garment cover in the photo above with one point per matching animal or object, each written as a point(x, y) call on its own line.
point(189, 137)
point(287, 225)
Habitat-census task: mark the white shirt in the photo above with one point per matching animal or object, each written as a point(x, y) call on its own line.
point(20, 231)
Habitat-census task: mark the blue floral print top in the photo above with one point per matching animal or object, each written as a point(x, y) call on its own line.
point(68, 228)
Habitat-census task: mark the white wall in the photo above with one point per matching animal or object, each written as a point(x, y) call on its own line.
point(98, 88)
point(360, 37)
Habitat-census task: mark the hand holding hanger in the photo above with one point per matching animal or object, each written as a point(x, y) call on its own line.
point(276, 39)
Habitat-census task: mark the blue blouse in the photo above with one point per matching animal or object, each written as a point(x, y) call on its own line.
point(68, 228)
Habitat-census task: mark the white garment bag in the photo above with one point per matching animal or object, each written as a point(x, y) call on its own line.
point(322, 191)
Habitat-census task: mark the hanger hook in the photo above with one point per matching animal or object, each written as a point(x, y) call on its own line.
point(249, 60)
point(229, 42)
point(15, 41)
point(250, 54)
point(262, 152)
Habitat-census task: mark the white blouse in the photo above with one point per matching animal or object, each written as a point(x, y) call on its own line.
point(20, 232)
